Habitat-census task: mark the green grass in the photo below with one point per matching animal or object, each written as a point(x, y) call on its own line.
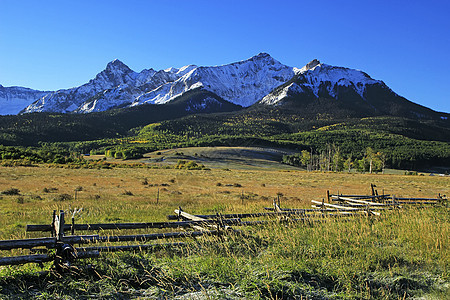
point(402, 255)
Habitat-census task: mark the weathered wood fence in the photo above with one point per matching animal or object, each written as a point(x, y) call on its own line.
point(60, 248)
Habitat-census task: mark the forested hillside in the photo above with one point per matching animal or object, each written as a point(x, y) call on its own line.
point(129, 133)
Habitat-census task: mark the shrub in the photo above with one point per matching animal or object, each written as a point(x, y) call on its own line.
point(11, 191)
point(189, 165)
point(63, 197)
point(49, 190)
point(127, 193)
point(411, 173)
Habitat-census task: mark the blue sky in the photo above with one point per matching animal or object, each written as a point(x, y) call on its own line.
point(50, 45)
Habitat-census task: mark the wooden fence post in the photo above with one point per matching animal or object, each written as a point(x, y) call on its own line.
point(372, 187)
point(179, 213)
point(73, 225)
point(53, 232)
point(60, 228)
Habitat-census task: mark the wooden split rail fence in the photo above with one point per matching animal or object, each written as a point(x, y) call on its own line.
point(373, 204)
point(60, 248)
point(63, 250)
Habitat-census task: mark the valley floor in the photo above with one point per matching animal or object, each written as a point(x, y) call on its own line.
point(400, 255)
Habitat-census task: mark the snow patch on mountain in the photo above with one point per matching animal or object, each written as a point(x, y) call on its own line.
point(246, 82)
point(242, 83)
point(337, 76)
point(321, 80)
point(115, 86)
point(309, 66)
point(275, 98)
point(14, 99)
point(115, 74)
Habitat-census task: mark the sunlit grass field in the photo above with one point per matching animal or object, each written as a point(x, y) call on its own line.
point(403, 254)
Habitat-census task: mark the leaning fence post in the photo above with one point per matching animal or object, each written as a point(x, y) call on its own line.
point(328, 196)
point(53, 231)
point(179, 213)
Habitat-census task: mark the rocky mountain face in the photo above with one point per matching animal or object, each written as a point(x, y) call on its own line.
point(115, 86)
point(349, 89)
point(14, 99)
point(259, 80)
point(242, 83)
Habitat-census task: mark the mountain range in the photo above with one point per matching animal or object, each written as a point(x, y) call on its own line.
point(259, 80)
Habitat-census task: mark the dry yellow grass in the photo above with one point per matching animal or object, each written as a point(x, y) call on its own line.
point(410, 247)
point(103, 195)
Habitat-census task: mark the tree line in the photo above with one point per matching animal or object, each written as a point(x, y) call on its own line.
point(332, 159)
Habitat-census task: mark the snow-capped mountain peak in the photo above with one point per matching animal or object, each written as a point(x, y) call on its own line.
point(258, 79)
point(309, 66)
point(116, 73)
point(116, 64)
point(322, 80)
point(242, 83)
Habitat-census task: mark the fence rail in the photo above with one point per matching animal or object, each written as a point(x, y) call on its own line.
point(60, 248)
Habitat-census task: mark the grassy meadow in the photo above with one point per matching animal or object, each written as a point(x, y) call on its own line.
point(400, 255)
